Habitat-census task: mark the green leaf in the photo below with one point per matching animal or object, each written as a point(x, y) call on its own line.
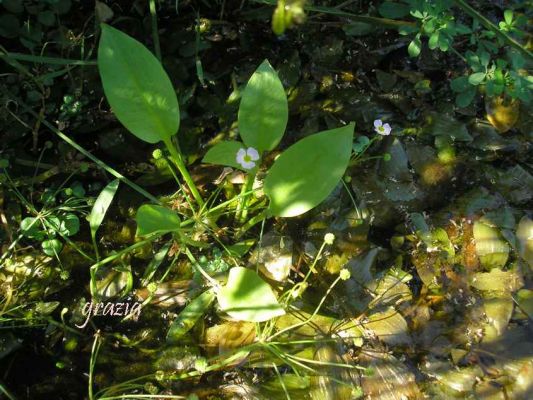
point(69, 224)
point(224, 153)
point(433, 42)
point(30, 228)
point(246, 297)
point(448, 127)
point(476, 78)
point(151, 219)
point(465, 98)
point(188, 317)
point(460, 84)
point(508, 16)
point(444, 42)
point(51, 247)
point(389, 9)
point(306, 173)
point(492, 250)
point(101, 205)
point(263, 112)
point(137, 87)
point(415, 46)
point(47, 18)
point(524, 235)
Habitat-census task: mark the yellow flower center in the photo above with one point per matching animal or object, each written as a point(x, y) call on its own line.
point(247, 158)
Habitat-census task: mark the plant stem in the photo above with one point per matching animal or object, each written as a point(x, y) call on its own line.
point(493, 28)
point(176, 157)
point(242, 207)
point(250, 223)
point(92, 363)
point(155, 31)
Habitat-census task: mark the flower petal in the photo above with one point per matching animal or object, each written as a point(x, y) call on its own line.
point(387, 129)
point(248, 164)
point(378, 123)
point(252, 153)
point(240, 156)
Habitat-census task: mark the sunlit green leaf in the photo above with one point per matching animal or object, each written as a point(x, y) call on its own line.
point(246, 297)
point(102, 203)
point(69, 224)
point(524, 234)
point(137, 87)
point(415, 46)
point(476, 78)
point(224, 153)
point(151, 219)
point(492, 250)
point(307, 172)
point(51, 247)
point(263, 112)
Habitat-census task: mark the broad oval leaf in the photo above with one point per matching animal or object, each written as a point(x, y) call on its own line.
point(306, 173)
point(152, 218)
point(190, 315)
point(137, 87)
point(264, 111)
point(100, 206)
point(491, 249)
point(224, 153)
point(246, 297)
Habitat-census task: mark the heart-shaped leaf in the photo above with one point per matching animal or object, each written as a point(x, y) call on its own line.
point(246, 297)
point(224, 153)
point(137, 87)
point(151, 219)
point(263, 112)
point(307, 172)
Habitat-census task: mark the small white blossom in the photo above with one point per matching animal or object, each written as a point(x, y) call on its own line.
point(344, 274)
point(381, 128)
point(329, 238)
point(246, 157)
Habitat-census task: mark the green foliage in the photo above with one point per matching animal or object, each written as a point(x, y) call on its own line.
point(291, 182)
point(188, 317)
point(263, 112)
point(246, 297)
point(496, 75)
point(156, 219)
point(137, 87)
point(306, 173)
point(223, 153)
point(286, 14)
point(101, 205)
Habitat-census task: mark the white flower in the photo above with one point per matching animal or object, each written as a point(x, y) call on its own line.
point(329, 238)
point(381, 128)
point(246, 157)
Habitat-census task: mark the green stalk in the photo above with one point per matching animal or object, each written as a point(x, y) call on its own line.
point(155, 31)
point(92, 363)
point(493, 28)
point(86, 153)
point(176, 157)
point(242, 207)
point(42, 59)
